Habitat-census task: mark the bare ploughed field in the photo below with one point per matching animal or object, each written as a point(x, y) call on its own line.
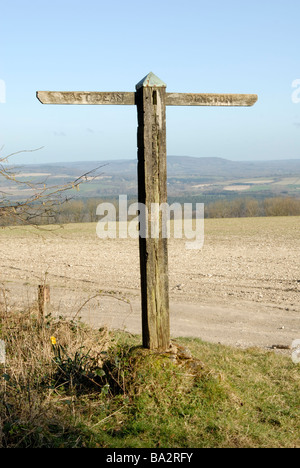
point(241, 289)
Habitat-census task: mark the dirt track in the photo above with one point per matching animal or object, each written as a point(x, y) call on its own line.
point(241, 289)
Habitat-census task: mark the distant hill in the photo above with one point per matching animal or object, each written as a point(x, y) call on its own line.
point(218, 167)
point(179, 166)
point(209, 178)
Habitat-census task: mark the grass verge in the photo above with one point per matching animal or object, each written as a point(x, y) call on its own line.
point(66, 385)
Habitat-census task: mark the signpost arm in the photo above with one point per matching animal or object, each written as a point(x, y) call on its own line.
point(86, 98)
point(220, 100)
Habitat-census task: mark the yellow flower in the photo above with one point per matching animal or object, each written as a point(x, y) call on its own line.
point(53, 340)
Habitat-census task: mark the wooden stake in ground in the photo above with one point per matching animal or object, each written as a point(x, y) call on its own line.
point(43, 300)
point(151, 100)
point(2, 352)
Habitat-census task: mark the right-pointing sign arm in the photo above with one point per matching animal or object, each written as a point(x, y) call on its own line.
point(189, 99)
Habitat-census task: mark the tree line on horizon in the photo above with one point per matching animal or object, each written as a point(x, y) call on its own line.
point(84, 210)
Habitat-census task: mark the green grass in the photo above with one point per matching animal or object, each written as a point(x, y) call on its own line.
point(101, 389)
point(258, 188)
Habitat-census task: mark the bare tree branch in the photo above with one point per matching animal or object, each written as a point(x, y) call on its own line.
point(25, 201)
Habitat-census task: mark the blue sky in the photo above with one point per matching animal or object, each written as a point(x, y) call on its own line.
point(193, 46)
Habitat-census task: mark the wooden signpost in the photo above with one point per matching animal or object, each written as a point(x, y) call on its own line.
point(151, 100)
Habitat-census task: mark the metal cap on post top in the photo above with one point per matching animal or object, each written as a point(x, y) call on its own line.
point(150, 81)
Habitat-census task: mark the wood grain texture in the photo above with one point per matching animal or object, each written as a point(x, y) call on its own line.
point(189, 99)
point(152, 188)
point(86, 98)
point(129, 99)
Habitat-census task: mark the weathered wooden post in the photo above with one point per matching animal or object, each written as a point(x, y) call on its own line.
point(2, 352)
point(152, 189)
point(43, 300)
point(151, 100)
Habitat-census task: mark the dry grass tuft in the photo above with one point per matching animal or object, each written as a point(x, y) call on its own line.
point(39, 376)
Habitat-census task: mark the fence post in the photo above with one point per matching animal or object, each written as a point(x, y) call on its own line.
point(43, 300)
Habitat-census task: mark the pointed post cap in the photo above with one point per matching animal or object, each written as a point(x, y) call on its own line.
point(151, 81)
